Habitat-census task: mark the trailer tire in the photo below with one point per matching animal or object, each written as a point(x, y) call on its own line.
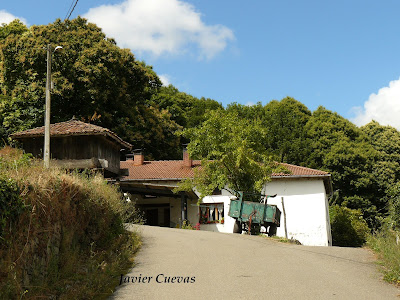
point(255, 229)
point(272, 230)
point(238, 227)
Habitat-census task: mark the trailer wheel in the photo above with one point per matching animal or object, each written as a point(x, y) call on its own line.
point(238, 227)
point(272, 230)
point(255, 229)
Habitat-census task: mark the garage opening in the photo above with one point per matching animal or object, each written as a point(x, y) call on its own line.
point(156, 214)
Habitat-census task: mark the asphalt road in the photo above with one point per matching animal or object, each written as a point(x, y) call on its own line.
point(186, 264)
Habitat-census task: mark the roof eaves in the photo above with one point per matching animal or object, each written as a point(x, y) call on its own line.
point(101, 133)
point(153, 179)
point(300, 176)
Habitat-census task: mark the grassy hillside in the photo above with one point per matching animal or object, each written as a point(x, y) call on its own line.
point(61, 235)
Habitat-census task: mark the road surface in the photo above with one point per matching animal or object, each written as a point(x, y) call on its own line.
point(187, 264)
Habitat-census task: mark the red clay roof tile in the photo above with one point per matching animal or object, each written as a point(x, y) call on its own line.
point(174, 169)
point(164, 169)
point(299, 171)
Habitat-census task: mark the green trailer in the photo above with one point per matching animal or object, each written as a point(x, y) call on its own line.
point(252, 211)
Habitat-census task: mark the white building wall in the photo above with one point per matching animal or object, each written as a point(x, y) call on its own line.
point(229, 223)
point(306, 208)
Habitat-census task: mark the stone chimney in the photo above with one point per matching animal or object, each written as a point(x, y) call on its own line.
point(187, 161)
point(138, 157)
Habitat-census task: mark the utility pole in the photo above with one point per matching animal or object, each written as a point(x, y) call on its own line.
point(47, 115)
point(48, 102)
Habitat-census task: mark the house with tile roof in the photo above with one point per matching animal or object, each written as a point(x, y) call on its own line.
point(77, 145)
point(301, 195)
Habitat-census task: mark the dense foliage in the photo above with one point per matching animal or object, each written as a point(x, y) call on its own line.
point(348, 226)
point(231, 150)
point(94, 80)
point(98, 82)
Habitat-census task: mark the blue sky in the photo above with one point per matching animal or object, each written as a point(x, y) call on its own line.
point(343, 55)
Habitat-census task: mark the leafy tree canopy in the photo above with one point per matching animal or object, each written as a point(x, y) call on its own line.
point(285, 121)
point(185, 110)
point(324, 129)
point(94, 80)
point(232, 154)
point(14, 27)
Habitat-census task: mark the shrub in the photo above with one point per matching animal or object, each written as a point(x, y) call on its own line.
point(349, 229)
point(186, 225)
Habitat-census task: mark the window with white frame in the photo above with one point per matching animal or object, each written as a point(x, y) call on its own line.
point(211, 213)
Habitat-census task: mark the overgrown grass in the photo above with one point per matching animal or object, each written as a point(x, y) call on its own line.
point(384, 244)
point(67, 241)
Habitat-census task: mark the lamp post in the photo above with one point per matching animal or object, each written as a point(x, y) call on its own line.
point(47, 114)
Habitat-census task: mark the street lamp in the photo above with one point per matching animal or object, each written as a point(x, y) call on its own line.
point(47, 114)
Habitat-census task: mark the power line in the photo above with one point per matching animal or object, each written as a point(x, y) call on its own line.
point(71, 9)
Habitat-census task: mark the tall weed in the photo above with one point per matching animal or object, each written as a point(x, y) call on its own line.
point(69, 241)
point(384, 243)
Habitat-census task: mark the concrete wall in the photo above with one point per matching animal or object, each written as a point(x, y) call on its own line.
point(306, 208)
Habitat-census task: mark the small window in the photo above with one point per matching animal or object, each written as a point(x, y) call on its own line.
point(211, 213)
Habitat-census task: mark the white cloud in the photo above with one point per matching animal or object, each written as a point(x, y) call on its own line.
point(6, 17)
point(165, 79)
point(383, 107)
point(160, 27)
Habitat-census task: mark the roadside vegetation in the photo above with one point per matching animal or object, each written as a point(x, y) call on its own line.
point(386, 245)
point(61, 235)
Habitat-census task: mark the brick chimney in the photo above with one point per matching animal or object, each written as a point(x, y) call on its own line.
point(187, 161)
point(138, 157)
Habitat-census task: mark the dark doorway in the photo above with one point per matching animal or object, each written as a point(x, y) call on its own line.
point(166, 217)
point(151, 216)
point(156, 214)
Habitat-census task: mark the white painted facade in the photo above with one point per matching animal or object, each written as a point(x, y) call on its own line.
point(306, 209)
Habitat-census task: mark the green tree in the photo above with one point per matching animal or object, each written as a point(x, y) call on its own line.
point(344, 150)
point(325, 128)
point(14, 27)
point(349, 229)
point(386, 141)
point(185, 110)
point(232, 154)
point(285, 121)
point(94, 79)
point(249, 112)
